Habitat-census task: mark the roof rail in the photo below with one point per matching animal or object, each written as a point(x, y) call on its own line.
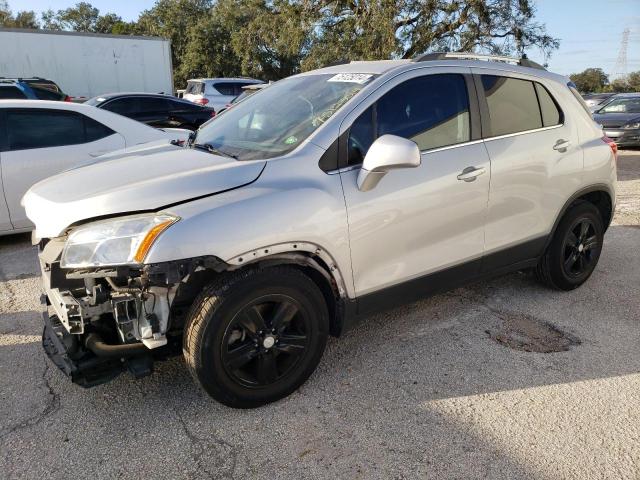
point(523, 62)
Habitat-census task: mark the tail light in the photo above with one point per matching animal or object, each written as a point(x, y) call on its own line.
point(202, 101)
point(67, 98)
point(612, 145)
point(213, 113)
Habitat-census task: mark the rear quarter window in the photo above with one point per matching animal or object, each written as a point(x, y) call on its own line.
point(226, 88)
point(551, 114)
point(46, 94)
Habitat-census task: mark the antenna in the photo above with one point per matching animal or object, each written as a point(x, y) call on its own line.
point(620, 70)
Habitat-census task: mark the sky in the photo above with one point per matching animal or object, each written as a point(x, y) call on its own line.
point(590, 31)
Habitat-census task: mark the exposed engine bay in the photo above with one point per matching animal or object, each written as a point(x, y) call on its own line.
point(102, 321)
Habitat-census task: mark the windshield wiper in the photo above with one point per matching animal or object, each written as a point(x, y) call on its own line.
point(211, 149)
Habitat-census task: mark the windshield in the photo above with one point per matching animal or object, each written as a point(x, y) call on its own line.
point(622, 105)
point(276, 120)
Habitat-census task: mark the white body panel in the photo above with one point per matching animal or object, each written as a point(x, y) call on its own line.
point(20, 169)
point(417, 220)
point(5, 220)
point(85, 65)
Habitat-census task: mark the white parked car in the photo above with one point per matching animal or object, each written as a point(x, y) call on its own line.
point(216, 93)
point(41, 138)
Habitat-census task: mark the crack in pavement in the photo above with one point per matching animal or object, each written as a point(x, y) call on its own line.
point(52, 406)
point(200, 445)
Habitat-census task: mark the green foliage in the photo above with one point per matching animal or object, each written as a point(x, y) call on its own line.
point(592, 80)
point(81, 18)
point(631, 83)
point(23, 19)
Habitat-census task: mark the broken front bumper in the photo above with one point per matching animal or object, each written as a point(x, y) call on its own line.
point(81, 365)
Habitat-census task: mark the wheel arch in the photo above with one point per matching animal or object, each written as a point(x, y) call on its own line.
point(600, 195)
point(314, 261)
point(309, 258)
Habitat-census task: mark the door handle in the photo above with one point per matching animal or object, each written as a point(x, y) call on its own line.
point(562, 145)
point(469, 174)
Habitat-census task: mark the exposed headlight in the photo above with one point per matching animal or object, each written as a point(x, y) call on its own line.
point(631, 126)
point(122, 241)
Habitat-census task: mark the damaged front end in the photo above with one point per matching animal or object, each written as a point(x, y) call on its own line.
point(100, 322)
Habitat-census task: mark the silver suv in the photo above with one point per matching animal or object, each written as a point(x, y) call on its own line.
point(216, 93)
point(326, 196)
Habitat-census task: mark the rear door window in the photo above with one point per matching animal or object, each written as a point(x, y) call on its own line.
point(32, 128)
point(153, 105)
point(11, 93)
point(513, 105)
point(123, 106)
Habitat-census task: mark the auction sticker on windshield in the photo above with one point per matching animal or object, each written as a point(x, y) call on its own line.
point(351, 77)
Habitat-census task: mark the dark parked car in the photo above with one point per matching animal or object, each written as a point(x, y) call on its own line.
point(31, 89)
point(620, 119)
point(596, 100)
point(157, 110)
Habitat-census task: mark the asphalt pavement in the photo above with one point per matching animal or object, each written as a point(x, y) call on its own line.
point(502, 379)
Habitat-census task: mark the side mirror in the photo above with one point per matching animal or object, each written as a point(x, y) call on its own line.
point(387, 153)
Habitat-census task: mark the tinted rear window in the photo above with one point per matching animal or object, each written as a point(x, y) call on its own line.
point(226, 88)
point(194, 88)
point(11, 93)
point(513, 105)
point(46, 94)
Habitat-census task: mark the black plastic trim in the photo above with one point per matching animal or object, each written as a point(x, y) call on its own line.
point(515, 258)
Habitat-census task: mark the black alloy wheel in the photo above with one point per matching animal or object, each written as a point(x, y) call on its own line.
point(574, 250)
point(255, 335)
point(265, 340)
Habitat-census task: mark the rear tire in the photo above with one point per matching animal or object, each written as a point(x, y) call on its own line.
point(575, 248)
point(253, 337)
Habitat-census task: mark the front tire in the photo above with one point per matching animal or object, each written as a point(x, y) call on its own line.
point(573, 253)
point(253, 337)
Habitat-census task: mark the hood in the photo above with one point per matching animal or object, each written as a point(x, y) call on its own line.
point(615, 120)
point(147, 179)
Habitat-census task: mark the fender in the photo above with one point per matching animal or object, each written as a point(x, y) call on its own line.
point(293, 251)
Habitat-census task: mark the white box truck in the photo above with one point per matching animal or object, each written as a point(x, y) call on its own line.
point(88, 64)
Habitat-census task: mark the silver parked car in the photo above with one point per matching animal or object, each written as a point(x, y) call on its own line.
point(331, 194)
point(216, 93)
